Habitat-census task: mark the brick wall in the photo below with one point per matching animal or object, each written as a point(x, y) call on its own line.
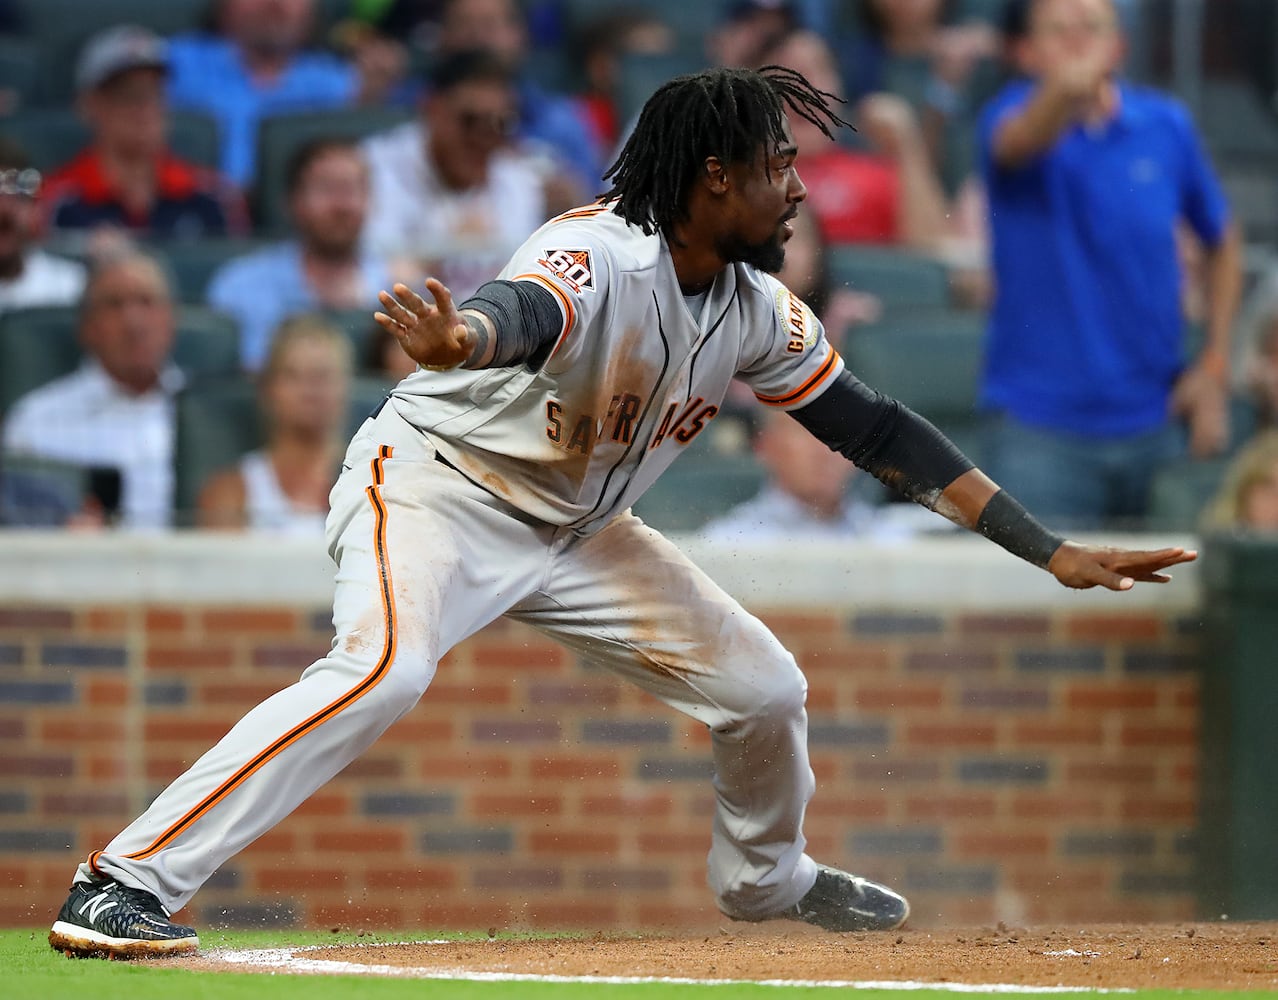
point(1025, 765)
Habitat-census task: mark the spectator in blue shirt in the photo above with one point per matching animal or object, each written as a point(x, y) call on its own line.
point(323, 268)
point(1086, 371)
point(255, 65)
point(544, 117)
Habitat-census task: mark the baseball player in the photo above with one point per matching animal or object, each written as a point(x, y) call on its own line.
point(498, 480)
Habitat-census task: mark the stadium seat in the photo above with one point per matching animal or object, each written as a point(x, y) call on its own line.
point(39, 345)
point(40, 492)
point(895, 276)
point(640, 75)
point(358, 325)
point(20, 72)
point(279, 135)
point(61, 27)
point(1181, 491)
point(1236, 123)
point(699, 486)
point(194, 262)
point(53, 136)
point(928, 359)
point(218, 421)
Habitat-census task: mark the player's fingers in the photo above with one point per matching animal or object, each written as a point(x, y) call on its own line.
point(443, 297)
point(391, 325)
point(411, 301)
point(394, 309)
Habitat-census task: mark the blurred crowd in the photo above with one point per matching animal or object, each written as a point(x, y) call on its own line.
point(200, 199)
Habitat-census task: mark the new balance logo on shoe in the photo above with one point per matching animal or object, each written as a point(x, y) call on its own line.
point(107, 919)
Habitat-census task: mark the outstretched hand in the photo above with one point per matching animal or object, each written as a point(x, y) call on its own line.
point(1083, 566)
point(432, 335)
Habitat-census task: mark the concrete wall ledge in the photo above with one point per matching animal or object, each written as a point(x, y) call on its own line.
point(963, 573)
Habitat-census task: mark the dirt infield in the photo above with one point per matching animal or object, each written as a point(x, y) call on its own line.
point(1180, 956)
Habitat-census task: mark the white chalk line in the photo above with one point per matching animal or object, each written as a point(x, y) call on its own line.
point(289, 960)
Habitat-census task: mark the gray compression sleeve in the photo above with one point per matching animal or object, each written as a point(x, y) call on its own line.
point(527, 320)
point(884, 437)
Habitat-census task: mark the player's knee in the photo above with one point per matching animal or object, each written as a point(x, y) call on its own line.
point(775, 696)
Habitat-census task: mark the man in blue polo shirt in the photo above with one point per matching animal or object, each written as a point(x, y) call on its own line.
point(1086, 379)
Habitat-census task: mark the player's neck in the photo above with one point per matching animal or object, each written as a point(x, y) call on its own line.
point(696, 263)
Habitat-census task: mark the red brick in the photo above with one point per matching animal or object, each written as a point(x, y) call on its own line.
point(1186, 698)
point(822, 697)
point(83, 729)
point(168, 728)
point(1185, 774)
point(299, 879)
point(325, 804)
point(843, 658)
point(1034, 734)
point(575, 767)
point(1145, 807)
point(468, 694)
point(236, 621)
point(853, 810)
point(419, 731)
point(361, 841)
point(445, 916)
point(1159, 736)
point(1112, 696)
point(353, 916)
point(571, 915)
point(670, 842)
point(951, 734)
point(1001, 845)
point(1110, 773)
point(1124, 627)
point(628, 806)
point(516, 805)
point(53, 619)
point(573, 843)
point(166, 768)
point(242, 693)
point(956, 807)
point(1036, 805)
point(517, 656)
point(195, 656)
point(162, 619)
point(12, 727)
point(878, 697)
point(274, 842)
point(106, 769)
point(467, 767)
point(107, 692)
point(104, 620)
point(410, 879)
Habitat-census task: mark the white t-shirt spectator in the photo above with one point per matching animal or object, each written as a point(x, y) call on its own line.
point(45, 280)
point(86, 418)
point(464, 237)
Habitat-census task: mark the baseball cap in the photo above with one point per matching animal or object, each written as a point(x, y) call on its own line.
point(117, 50)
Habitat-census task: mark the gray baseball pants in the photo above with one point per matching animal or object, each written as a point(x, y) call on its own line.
point(424, 559)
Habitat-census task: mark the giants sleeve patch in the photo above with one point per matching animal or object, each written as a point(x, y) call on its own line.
point(572, 267)
point(797, 320)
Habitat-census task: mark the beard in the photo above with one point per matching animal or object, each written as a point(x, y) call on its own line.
point(768, 256)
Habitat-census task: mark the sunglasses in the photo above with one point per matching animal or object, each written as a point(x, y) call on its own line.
point(23, 183)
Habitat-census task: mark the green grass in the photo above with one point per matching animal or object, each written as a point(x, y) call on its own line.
point(30, 969)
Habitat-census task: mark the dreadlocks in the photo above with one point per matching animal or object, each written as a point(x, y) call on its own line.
point(727, 113)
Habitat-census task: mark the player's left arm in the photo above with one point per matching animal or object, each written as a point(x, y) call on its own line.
point(905, 451)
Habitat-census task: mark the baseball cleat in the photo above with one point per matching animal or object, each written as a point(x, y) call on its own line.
point(106, 919)
point(842, 902)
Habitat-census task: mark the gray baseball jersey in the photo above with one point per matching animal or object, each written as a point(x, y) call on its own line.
point(632, 380)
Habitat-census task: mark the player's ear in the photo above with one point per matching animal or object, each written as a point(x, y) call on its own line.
point(716, 175)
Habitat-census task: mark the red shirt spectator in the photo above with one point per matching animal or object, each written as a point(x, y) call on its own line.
point(128, 178)
point(853, 196)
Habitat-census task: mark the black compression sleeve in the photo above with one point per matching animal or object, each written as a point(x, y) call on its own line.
point(884, 437)
point(1005, 522)
point(527, 320)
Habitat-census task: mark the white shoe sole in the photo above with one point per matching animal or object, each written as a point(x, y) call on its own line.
point(73, 940)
